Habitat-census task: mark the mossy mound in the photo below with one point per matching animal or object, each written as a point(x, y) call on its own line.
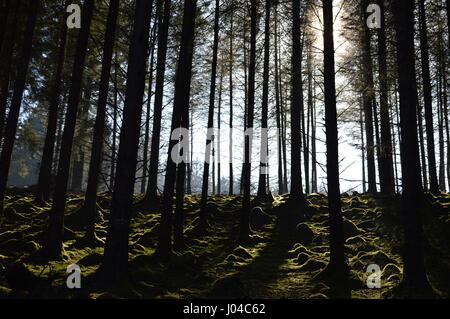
point(350, 229)
point(258, 218)
point(355, 240)
point(302, 258)
point(312, 265)
point(389, 270)
point(304, 235)
point(242, 252)
point(297, 249)
point(229, 287)
point(91, 260)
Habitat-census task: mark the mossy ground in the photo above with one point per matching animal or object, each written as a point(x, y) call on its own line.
point(279, 260)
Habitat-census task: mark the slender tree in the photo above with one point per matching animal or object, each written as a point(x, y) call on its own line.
point(53, 245)
point(230, 70)
point(297, 102)
point(179, 116)
point(428, 101)
point(264, 154)
point(337, 267)
point(16, 101)
point(278, 106)
point(368, 101)
point(89, 207)
point(45, 170)
point(115, 258)
point(6, 53)
point(163, 11)
point(386, 176)
point(147, 113)
point(210, 136)
point(414, 275)
point(244, 228)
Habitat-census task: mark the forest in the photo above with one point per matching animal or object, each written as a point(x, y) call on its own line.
point(224, 149)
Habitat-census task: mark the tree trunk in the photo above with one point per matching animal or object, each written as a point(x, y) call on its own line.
point(441, 134)
point(14, 109)
point(278, 108)
point(78, 158)
point(230, 137)
point(180, 109)
point(422, 146)
point(386, 177)
point(426, 80)
point(297, 103)
point(45, 170)
point(368, 98)
point(414, 276)
point(210, 136)
point(244, 227)
point(114, 128)
point(163, 29)
point(53, 246)
point(264, 155)
point(337, 267)
point(147, 114)
point(90, 209)
point(219, 120)
point(6, 53)
point(115, 258)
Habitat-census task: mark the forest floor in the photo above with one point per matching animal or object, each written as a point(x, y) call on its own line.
point(279, 261)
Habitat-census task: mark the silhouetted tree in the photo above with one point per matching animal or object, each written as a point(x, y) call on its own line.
point(180, 111)
point(115, 258)
point(210, 137)
point(337, 268)
point(244, 228)
point(53, 245)
point(414, 275)
point(90, 203)
point(45, 170)
point(163, 11)
point(16, 101)
point(264, 152)
point(426, 80)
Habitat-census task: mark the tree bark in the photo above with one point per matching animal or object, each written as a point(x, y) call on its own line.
point(297, 103)
point(264, 154)
point(115, 258)
point(95, 164)
point(163, 30)
point(244, 227)
point(6, 54)
point(210, 124)
point(368, 98)
point(386, 176)
point(414, 275)
point(45, 170)
point(337, 267)
point(180, 109)
point(14, 109)
point(428, 102)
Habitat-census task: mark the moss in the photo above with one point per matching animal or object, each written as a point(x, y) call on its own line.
point(304, 234)
point(350, 229)
point(258, 218)
point(228, 287)
point(302, 258)
point(90, 260)
point(242, 252)
point(312, 265)
point(298, 248)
